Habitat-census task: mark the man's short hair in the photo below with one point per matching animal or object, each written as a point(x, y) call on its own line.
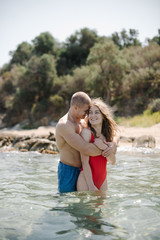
point(79, 99)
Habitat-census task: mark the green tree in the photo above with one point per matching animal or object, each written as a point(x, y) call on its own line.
point(105, 68)
point(142, 82)
point(124, 39)
point(39, 78)
point(155, 39)
point(8, 86)
point(22, 54)
point(117, 40)
point(133, 38)
point(77, 80)
point(45, 43)
point(6, 89)
point(33, 90)
point(75, 51)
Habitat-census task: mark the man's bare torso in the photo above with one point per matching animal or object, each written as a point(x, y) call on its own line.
point(68, 154)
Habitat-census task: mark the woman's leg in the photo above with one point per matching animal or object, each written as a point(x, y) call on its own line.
point(104, 185)
point(81, 183)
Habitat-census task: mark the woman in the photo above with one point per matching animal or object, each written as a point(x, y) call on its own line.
point(101, 130)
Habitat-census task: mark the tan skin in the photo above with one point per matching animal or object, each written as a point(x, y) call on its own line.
point(69, 141)
point(85, 181)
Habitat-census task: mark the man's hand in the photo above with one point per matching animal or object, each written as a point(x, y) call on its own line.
point(110, 149)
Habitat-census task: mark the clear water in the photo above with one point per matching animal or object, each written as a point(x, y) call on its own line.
point(32, 209)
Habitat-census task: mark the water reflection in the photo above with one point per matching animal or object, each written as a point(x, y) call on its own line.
point(76, 214)
point(86, 210)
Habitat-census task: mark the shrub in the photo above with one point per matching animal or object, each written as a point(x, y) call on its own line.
point(57, 101)
point(154, 106)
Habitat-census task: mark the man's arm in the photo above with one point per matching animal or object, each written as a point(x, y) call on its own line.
point(76, 141)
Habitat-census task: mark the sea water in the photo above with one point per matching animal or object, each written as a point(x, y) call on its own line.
point(32, 209)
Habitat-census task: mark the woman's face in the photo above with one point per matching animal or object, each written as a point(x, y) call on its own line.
point(95, 116)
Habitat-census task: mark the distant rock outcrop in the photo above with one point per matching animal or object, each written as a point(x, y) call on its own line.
point(147, 141)
point(43, 144)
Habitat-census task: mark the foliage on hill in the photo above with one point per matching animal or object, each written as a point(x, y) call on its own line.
point(41, 77)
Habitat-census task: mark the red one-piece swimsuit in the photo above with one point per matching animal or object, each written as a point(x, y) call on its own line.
point(98, 166)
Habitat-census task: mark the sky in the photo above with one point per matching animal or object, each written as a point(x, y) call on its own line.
point(23, 20)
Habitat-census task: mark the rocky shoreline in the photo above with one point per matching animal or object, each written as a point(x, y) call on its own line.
point(43, 139)
point(42, 144)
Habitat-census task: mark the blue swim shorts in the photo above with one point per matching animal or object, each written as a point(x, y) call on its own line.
point(67, 177)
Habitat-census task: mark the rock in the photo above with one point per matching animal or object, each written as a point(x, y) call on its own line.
point(20, 139)
point(126, 139)
point(24, 144)
point(146, 141)
point(43, 144)
point(51, 136)
point(6, 140)
point(23, 150)
point(43, 151)
point(36, 144)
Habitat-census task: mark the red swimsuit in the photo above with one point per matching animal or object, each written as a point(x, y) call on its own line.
point(98, 166)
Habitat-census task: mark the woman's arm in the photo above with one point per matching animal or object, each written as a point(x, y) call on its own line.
point(88, 173)
point(86, 134)
point(102, 145)
point(111, 159)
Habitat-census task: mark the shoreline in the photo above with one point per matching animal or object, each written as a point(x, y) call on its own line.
point(124, 134)
point(135, 132)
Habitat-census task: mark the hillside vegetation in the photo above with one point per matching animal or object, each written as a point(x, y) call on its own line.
point(38, 82)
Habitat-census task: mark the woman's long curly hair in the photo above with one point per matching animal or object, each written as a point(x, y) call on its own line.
point(109, 126)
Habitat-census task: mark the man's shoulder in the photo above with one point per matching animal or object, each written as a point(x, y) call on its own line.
point(63, 124)
point(62, 121)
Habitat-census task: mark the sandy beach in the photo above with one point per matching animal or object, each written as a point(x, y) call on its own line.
point(139, 131)
point(127, 132)
point(43, 130)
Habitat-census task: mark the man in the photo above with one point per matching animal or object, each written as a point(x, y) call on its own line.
point(70, 143)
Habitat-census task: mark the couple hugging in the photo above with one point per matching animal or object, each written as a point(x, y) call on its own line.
point(85, 139)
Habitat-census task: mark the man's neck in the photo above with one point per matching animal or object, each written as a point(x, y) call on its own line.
point(72, 118)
